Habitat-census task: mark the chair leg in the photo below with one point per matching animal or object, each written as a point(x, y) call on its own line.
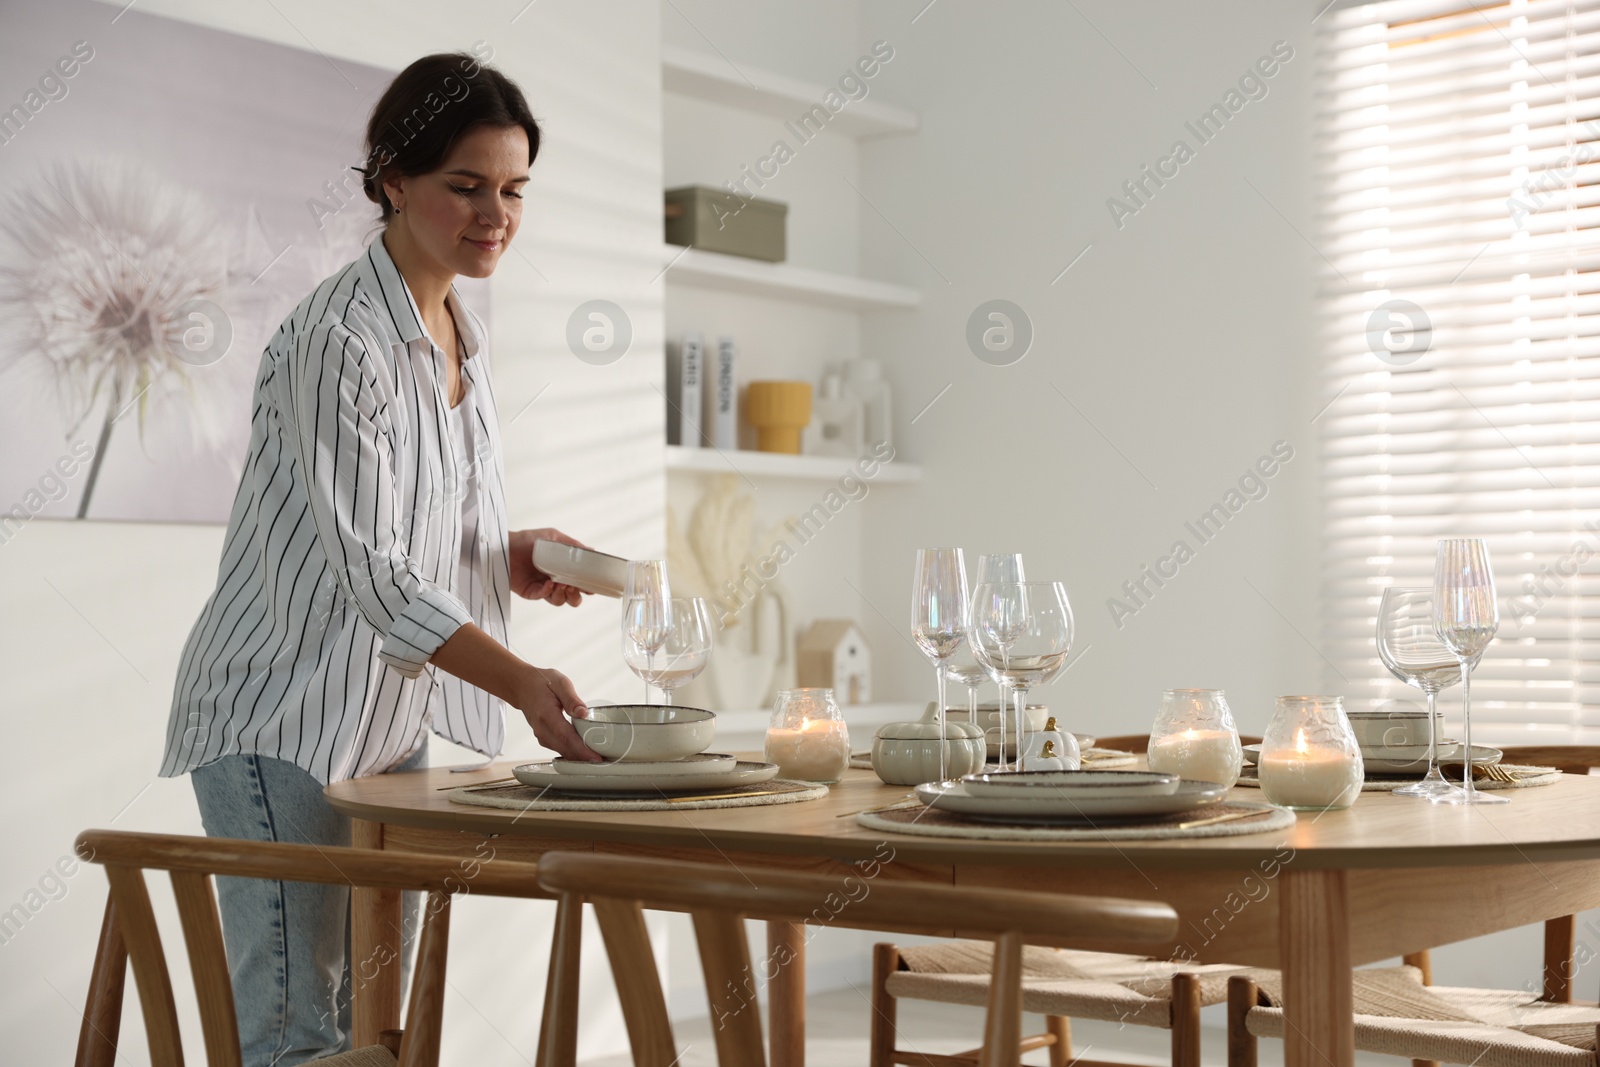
point(558, 1030)
point(1242, 996)
point(102, 1014)
point(1059, 1027)
point(1185, 1020)
point(885, 961)
point(1558, 939)
point(1423, 962)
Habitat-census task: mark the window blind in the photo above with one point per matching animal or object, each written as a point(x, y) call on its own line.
point(1459, 157)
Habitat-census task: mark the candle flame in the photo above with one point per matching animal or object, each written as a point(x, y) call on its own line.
point(1300, 745)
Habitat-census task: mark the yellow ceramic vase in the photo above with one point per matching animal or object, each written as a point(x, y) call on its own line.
point(778, 411)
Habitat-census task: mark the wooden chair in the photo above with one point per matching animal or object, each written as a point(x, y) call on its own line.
point(1061, 987)
point(1433, 1024)
point(129, 934)
point(719, 899)
point(1140, 743)
point(1551, 1030)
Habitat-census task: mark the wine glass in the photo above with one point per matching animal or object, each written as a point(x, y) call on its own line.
point(644, 611)
point(963, 667)
point(993, 569)
point(1411, 649)
point(1465, 616)
point(939, 618)
point(683, 652)
point(1022, 632)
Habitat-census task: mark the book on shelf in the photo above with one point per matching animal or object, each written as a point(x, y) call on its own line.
point(685, 392)
point(724, 397)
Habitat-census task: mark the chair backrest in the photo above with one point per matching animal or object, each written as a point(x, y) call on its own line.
point(719, 898)
point(1573, 759)
point(129, 931)
point(1139, 744)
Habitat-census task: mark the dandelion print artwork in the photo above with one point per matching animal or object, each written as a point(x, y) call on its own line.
point(157, 222)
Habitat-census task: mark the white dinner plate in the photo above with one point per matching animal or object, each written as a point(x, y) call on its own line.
point(1480, 754)
point(582, 568)
point(1409, 754)
point(1076, 785)
point(1449, 751)
point(703, 763)
point(545, 776)
point(953, 796)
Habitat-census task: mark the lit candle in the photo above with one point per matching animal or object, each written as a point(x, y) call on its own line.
point(817, 752)
point(1307, 777)
point(1199, 755)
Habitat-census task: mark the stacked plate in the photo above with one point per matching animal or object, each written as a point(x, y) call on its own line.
point(649, 749)
point(1069, 797)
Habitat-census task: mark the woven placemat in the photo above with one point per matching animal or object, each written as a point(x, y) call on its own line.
point(1098, 759)
point(538, 798)
point(931, 822)
point(1527, 778)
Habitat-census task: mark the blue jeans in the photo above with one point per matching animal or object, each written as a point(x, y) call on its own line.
point(287, 942)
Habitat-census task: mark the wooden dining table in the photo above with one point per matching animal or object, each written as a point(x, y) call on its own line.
point(1339, 889)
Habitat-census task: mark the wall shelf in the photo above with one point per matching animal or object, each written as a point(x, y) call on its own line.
point(775, 465)
point(784, 281)
point(712, 78)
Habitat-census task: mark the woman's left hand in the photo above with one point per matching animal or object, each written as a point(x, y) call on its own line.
point(531, 582)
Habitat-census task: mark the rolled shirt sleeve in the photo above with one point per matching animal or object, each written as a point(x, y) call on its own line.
point(342, 439)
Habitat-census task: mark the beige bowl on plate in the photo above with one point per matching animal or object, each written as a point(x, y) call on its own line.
point(635, 732)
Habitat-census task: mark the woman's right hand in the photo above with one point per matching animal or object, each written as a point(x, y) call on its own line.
point(546, 699)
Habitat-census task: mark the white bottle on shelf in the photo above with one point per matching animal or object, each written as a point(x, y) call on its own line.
point(864, 380)
point(836, 422)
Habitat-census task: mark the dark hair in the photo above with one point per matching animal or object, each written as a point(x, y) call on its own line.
point(428, 105)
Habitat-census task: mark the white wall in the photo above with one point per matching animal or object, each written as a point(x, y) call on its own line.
point(95, 614)
point(1181, 338)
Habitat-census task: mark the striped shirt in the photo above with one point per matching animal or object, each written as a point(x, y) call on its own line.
point(364, 532)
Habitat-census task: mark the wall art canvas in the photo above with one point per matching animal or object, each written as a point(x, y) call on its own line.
point(168, 194)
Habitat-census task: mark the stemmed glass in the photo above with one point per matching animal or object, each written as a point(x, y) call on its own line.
point(1022, 632)
point(1411, 649)
point(939, 619)
point(992, 570)
point(683, 652)
point(645, 624)
point(963, 667)
point(1465, 616)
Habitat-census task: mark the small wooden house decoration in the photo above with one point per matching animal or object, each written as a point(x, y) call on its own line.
point(833, 653)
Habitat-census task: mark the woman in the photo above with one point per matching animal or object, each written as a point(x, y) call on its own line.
point(365, 577)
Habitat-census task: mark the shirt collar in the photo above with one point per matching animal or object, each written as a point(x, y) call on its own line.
point(378, 269)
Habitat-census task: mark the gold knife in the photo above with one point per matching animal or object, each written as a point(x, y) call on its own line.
point(1190, 825)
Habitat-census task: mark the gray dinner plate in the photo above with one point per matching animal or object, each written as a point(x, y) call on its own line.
point(545, 775)
point(954, 797)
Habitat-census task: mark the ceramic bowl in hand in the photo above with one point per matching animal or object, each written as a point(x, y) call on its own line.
point(636, 732)
point(582, 568)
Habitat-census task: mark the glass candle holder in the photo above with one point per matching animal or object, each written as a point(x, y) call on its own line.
point(807, 737)
point(1309, 757)
point(1194, 737)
